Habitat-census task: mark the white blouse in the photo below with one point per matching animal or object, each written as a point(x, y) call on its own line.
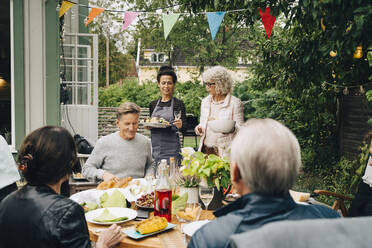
point(367, 178)
point(8, 169)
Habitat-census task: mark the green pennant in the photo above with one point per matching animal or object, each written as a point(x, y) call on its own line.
point(168, 23)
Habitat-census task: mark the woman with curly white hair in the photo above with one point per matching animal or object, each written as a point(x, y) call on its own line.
point(219, 105)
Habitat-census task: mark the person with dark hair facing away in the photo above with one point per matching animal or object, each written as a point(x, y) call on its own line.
point(37, 215)
point(362, 202)
point(165, 141)
point(265, 161)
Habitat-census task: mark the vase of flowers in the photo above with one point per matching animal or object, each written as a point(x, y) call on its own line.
point(212, 170)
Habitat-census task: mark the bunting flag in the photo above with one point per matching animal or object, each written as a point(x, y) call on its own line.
point(214, 21)
point(168, 23)
point(268, 21)
point(94, 12)
point(66, 5)
point(128, 19)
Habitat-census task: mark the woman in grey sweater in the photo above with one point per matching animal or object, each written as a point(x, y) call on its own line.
point(123, 153)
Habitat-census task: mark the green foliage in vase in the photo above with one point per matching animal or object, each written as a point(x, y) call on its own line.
point(212, 168)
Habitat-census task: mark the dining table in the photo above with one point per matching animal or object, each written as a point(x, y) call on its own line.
point(170, 238)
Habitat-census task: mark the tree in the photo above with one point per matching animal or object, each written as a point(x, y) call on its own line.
point(294, 76)
point(346, 25)
point(107, 27)
point(190, 36)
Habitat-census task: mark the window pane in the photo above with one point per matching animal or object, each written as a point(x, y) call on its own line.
point(5, 76)
point(154, 58)
point(82, 93)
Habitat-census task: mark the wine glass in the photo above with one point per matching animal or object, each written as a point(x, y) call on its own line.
point(177, 115)
point(206, 195)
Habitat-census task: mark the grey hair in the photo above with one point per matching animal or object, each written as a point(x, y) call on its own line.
point(221, 76)
point(127, 108)
point(268, 156)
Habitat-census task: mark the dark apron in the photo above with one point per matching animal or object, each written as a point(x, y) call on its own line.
point(165, 141)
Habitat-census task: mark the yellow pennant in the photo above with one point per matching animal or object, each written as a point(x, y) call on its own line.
point(94, 12)
point(66, 5)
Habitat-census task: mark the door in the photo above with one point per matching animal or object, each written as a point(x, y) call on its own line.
point(79, 79)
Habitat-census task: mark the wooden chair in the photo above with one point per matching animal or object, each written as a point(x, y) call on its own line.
point(338, 204)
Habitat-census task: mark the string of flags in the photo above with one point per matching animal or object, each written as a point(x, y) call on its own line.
point(169, 20)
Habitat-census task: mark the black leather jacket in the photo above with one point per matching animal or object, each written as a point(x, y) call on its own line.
point(35, 216)
point(252, 211)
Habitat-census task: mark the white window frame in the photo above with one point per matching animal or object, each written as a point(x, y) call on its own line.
point(157, 57)
point(12, 103)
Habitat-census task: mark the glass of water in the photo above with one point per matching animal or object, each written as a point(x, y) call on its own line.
point(177, 115)
point(206, 195)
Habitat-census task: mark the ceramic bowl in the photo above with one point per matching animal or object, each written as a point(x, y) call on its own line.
point(222, 126)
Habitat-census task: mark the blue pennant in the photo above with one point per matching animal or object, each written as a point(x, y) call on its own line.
point(214, 20)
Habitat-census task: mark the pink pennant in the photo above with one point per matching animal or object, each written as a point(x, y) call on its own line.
point(268, 21)
point(129, 18)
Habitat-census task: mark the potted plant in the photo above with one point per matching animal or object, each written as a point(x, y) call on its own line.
point(188, 184)
point(211, 169)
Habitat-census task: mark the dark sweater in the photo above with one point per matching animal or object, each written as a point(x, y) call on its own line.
point(178, 105)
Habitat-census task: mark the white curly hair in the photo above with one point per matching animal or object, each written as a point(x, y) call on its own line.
point(221, 76)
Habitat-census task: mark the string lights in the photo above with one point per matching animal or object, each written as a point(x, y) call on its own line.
point(346, 88)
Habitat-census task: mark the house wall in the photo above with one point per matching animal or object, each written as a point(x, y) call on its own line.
point(187, 73)
point(35, 66)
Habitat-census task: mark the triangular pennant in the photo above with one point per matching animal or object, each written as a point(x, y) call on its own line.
point(168, 23)
point(128, 19)
point(268, 21)
point(214, 20)
point(66, 5)
point(94, 12)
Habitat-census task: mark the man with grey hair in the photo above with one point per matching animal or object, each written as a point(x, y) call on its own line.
point(265, 160)
point(123, 153)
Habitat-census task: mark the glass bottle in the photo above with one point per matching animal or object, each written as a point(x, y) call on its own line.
point(172, 165)
point(163, 193)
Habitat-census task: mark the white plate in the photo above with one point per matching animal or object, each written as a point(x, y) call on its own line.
point(156, 124)
point(93, 195)
point(118, 212)
point(190, 228)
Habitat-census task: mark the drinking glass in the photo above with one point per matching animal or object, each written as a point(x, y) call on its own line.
point(177, 115)
point(206, 195)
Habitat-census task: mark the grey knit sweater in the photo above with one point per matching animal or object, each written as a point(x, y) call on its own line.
point(120, 157)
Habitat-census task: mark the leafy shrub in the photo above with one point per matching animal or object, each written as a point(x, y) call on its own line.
point(116, 94)
point(304, 114)
point(189, 92)
point(342, 177)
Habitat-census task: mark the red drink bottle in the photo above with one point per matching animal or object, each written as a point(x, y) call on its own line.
point(163, 193)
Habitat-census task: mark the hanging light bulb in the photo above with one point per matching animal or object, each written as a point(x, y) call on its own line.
point(345, 91)
point(337, 90)
point(358, 54)
point(361, 89)
point(333, 53)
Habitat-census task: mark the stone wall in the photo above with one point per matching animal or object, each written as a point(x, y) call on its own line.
point(107, 118)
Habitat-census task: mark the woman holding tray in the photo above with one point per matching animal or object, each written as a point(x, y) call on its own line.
point(165, 141)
